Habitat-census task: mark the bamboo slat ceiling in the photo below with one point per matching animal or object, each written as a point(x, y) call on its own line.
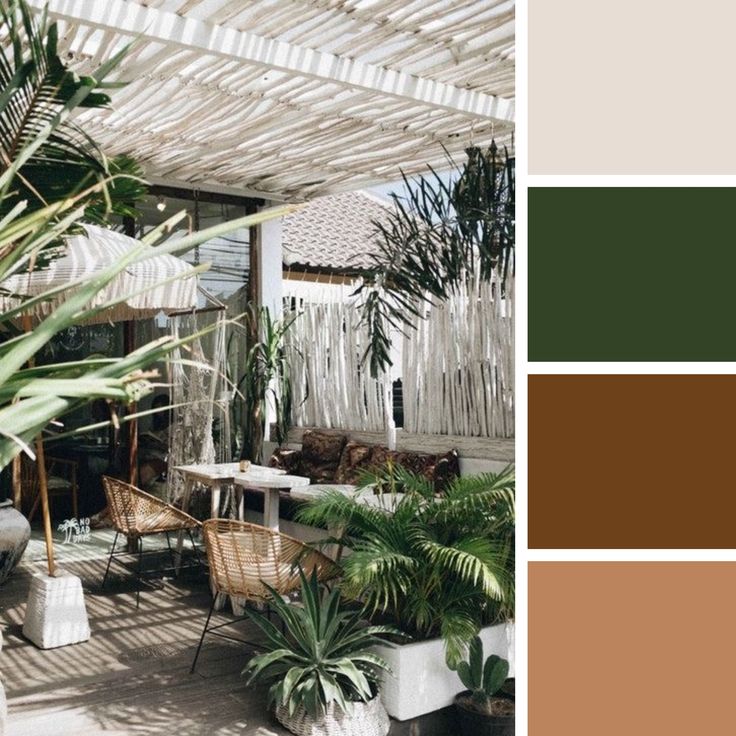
point(292, 99)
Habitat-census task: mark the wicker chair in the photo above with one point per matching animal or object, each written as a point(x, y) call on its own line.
point(137, 514)
point(242, 557)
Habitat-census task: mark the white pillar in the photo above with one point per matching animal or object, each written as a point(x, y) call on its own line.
point(270, 258)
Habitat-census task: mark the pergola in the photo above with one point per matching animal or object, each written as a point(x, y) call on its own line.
point(291, 99)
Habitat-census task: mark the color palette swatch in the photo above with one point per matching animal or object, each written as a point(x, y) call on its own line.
point(630, 359)
point(632, 461)
point(631, 87)
point(631, 648)
point(619, 274)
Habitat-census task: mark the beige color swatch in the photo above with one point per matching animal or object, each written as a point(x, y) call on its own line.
point(632, 87)
point(634, 648)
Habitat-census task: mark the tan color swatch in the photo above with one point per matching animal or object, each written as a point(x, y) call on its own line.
point(632, 461)
point(632, 648)
point(631, 87)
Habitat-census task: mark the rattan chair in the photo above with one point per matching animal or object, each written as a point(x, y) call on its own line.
point(137, 514)
point(244, 557)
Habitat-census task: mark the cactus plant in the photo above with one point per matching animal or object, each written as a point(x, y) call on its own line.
point(483, 680)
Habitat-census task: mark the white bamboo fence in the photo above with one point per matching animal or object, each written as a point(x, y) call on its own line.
point(458, 365)
point(330, 386)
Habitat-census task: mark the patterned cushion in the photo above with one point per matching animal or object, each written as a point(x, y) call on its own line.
point(355, 458)
point(321, 454)
point(285, 459)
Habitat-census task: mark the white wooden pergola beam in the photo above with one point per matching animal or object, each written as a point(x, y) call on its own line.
point(130, 18)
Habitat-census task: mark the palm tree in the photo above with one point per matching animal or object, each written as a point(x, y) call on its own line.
point(30, 397)
point(36, 87)
point(439, 565)
point(438, 235)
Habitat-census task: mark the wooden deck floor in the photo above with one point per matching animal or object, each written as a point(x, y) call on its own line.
point(132, 676)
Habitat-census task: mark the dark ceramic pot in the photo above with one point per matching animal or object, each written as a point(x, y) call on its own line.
point(15, 531)
point(473, 723)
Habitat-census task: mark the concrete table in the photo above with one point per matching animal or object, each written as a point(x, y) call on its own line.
point(214, 476)
point(269, 484)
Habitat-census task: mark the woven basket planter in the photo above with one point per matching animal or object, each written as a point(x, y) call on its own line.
point(366, 719)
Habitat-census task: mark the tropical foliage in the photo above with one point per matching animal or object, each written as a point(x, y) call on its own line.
point(31, 396)
point(482, 679)
point(60, 159)
point(436, 565)
point(323, 659)
point(266, 375)
point(442, 232)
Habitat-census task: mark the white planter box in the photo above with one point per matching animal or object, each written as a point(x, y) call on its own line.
point(422, 682)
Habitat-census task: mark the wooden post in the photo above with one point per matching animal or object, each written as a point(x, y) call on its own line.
point(128, 347)
point(43, 489)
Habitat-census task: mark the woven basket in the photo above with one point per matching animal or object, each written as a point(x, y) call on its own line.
point(365, 719)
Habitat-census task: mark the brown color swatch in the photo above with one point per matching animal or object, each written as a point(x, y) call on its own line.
point(631, 87)
point(631, 648)
point(632, 461)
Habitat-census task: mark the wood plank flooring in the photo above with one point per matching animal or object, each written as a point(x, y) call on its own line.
point(132, 676)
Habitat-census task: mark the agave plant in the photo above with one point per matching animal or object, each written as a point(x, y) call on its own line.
point(324, 658)
point(433, 565)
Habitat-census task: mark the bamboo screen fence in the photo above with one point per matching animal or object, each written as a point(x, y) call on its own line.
point(458, 365)
point(330, 387)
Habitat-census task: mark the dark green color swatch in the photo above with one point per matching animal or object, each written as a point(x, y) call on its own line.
point(632, 274)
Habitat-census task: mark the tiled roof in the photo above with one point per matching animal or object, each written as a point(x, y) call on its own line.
point(334, 232)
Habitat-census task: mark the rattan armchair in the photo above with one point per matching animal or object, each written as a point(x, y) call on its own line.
point(136, 514)
point(244, 558)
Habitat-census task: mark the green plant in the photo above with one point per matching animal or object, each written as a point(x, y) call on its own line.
point(37, 87)
point(483, 680)
point(266, 374)
point(441, 233)
point(30, 397)
point(325, 656)
point(434, 565)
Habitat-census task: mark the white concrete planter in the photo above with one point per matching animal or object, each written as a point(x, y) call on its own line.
point(422, 682)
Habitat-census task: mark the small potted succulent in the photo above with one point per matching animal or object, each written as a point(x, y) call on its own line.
point(323, 678)
point(481, 711)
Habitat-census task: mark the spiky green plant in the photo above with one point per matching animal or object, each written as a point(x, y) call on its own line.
point(30, 397)
point(439, 234)
point(38, 91)
point(432, 565)
point(324, 658)
point(266, 373)
point(483, 679)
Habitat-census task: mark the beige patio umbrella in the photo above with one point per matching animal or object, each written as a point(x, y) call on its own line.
point(174, 283)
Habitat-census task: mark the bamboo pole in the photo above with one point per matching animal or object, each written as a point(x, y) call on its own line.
point(43, 489)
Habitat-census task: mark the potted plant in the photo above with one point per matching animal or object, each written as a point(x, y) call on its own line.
point(440, 568)
point(323, 677)
point(480, 710)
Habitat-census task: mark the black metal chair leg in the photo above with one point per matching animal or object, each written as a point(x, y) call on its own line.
point(139, 573)
point(109, 560)
point(171, 552)
point(204, 631)
point(194, 547)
